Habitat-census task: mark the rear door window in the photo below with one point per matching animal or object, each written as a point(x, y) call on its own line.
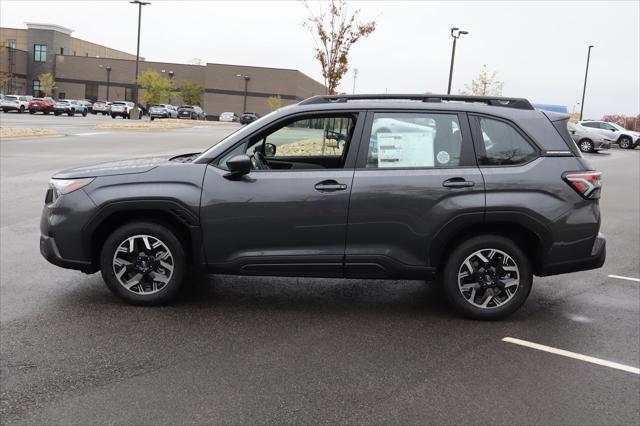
point(503, 144)
point(414, 140)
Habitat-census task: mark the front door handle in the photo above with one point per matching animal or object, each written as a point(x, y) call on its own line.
point(458, 182)
point(330, 186)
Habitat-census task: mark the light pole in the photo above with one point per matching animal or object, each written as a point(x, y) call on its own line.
point(455, 33)
point(171, 74)
point(135, 95)
point(108, 68)
point(246, 86)
point(586, 73)
point(355, 77)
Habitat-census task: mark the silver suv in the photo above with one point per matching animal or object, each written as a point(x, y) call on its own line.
point(626, 139)
point(588, 140)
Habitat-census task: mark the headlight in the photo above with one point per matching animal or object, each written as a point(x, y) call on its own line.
point(65, 186)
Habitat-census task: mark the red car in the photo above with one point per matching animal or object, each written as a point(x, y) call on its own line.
point(45, 105)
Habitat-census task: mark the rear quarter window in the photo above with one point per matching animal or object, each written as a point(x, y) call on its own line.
point(503, 144)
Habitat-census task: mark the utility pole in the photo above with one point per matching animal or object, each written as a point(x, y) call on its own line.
point(355, 77)
point(586, 73)
point(455, 33)
point(246, 87)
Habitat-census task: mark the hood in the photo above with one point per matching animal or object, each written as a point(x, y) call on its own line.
point(123, 167)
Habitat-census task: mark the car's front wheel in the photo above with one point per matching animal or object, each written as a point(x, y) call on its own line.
point(143, 263)
point(21, 109)
point(625, 142)
point(487, 277)
point(585, 145)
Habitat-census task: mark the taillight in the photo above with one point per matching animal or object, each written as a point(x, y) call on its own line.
point(586, 184)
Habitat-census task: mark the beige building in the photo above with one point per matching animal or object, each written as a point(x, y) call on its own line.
point(85, 70)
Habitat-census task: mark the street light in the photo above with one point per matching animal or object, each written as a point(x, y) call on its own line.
point(455, 33)
point(108, 68)
point(586, 73)
point(246, 85)
point(355, 77)
point(135, 96)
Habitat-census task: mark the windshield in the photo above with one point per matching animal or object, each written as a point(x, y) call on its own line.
point(617, 126)
point(11, 98)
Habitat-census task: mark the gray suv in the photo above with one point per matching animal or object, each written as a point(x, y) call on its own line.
point(481, 193)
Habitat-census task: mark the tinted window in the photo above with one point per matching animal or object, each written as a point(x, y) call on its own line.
point(503, 144)
point(592, 125)
point(414, 140)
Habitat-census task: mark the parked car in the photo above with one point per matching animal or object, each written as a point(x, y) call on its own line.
point(163, 111)
point(194, 112)
point(626, 139)
point(70, 107)
point(121, 109)
point(101, 107)
point(87, 103)
point(587, 139)
point(229, 117)
point(248, 117)
point(485, 218)
point(18, 103)
point(43, 105)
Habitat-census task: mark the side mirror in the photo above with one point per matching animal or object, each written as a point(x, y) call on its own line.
point(238, 166)
point(573, 132)
point(270, 150)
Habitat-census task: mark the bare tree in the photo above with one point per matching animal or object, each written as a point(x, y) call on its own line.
point(335, 32)
point(486, 84)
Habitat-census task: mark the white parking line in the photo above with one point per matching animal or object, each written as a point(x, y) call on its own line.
point(90, 133)
point(620, 277)
point(573, 355)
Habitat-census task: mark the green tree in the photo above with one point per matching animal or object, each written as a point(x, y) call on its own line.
point(335, 33)
point(485, 85)
point(47, 84)
point(274, 102)
point(157, 89)
point(192, 93)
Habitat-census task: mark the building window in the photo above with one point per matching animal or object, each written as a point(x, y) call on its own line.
point(37, 88)
point(128, 94)
point(91, 92)
point(62, 50)
point(62, 95)
point(11, 43)
point(40, 52)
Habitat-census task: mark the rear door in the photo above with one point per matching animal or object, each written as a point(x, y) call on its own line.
point(416, 178)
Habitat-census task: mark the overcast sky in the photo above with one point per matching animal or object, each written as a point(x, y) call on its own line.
point(539, 49)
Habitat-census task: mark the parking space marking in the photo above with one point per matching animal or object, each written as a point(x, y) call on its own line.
point(90, 133)
point(620, 277)
point(573, 355)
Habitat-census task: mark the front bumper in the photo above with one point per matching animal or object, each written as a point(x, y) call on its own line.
point(594, 261)
point(49, 250)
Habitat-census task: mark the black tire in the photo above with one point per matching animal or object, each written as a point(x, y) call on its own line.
point(71, 113)
point(32, 111)
point(56, 113)
point(113, 116)
point(46, 112)
point(155, 230)
point(152, 118)
point(21, 109)
point(84, 113)
point(455, 261)
point(625, 142)
point(585, 145)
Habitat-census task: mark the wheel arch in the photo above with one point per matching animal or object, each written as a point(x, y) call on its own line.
point(163, 212)
point(526, 232)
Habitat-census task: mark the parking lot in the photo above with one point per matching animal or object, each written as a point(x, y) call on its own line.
point(247, 350)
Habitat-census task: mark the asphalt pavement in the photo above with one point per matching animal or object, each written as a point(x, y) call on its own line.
point(248, 350)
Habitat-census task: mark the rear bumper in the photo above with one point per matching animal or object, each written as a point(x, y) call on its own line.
point(594, 261)
point(49, 250)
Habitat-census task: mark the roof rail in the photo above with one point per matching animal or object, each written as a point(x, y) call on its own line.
point(518, 103)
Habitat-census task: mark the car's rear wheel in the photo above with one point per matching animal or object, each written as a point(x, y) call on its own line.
point(487, 277)
point(84, 113)
point(585, 145)
point(144, 263)
point(21, 109)
point(46, 112)
point(32, 111)
point(625, 142)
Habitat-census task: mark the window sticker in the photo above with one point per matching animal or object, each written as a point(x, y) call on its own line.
point(443, 157)
point(405, 149)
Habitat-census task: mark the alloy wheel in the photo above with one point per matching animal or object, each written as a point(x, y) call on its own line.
point(488, 278)
point(143, 264)
point(585, 146)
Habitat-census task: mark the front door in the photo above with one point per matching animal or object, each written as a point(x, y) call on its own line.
point(416, 179)
point(288, 216)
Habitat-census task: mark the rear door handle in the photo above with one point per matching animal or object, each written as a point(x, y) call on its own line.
point(330, 186)
point(458, 182)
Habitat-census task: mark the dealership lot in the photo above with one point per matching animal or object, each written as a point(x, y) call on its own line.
point(271, 350)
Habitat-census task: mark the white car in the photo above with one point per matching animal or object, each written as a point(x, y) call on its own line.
point(229, 117)
point(163, 111)
point(121, 109)
point(17, 103)
point(101, 107)
point(626, 139)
